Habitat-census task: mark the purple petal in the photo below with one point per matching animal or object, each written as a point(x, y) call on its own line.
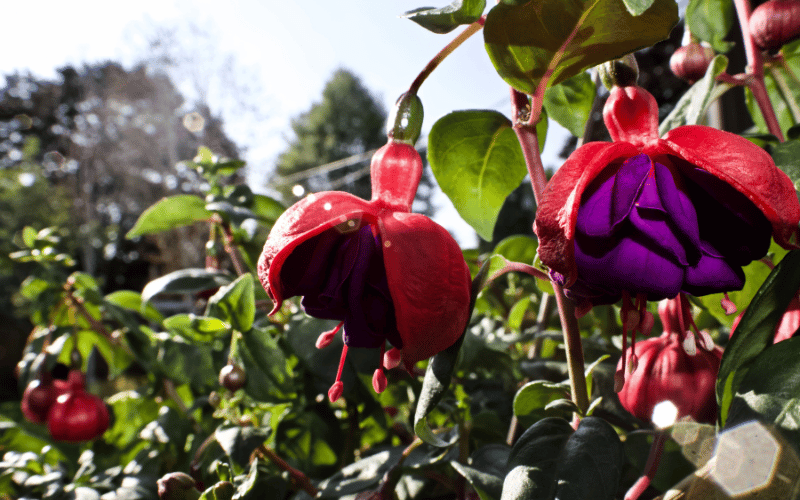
point(628, 184)
point(713, 275)
point(677, 204)
point(629, 265)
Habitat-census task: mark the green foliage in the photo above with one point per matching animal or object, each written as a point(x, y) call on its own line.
point(710, 21)
point(477, 161)
point(525, 45)
point(692, 106)
point(570, 102)
point(446, 19)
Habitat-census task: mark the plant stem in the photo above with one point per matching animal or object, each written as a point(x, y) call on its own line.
point(446, 51)
point(232, 250)
point(650, 467)
point(755, 69)
point(298, 478)
point(526, 133)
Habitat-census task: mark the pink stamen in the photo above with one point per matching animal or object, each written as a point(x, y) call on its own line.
point(647, 323)
point(379, 381)
point(335, 392)
point(325, 338)
point(727, 304)
point(392, 358)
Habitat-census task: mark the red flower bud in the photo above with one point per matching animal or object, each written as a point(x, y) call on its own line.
point(177, 486)
point(775, 23)
point(77, 415)
point(667, 371)
point(691, 61)
point(39, 396)
point(384, 273)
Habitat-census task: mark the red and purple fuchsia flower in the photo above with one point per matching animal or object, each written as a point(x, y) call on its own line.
point(387, 275)
point(645, 218)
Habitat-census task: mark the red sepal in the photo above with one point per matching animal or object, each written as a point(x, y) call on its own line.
point(429, 282)
point(631, 115)
point(395, 172)
point(305, 219)
point(746, 167)
point(558, 211)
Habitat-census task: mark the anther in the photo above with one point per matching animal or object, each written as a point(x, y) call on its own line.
point(325, 338)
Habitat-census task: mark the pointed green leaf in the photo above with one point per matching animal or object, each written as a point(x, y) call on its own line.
point(235, 303)
point(169, 213)
point(557, 39)
point(757, 328)
point(710, 21)
point(536, 395)
point(266, 366)
point(132, 301)
point(692, 106)
point(570, 102)
point(638, 7)
point(185, 281)
point(446, 19)
point(196, 328)
point(477, 161)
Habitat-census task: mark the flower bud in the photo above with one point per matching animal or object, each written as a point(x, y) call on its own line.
point(405, 121)
point(232, 377)
point(77, 415)
point(691, 61)
point(177, 486)
point(775, 23)
point(665, 372)
point(622, 72)
point(38, 397)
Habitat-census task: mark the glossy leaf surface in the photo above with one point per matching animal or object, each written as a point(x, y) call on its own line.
point(446, 19)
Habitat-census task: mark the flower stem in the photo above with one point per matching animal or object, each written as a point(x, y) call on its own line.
point(298, 478)
point(755, 69)
point(526, 133)
point(650, 467)
point(446, 51)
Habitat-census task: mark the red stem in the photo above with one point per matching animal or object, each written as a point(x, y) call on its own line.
point(650, 468)
point(755, 69)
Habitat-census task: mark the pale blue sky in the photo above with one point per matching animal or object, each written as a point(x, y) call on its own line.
point(291, 47)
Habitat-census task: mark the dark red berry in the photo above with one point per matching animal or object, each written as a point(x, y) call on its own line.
point(691, 61)
point(232, 377)
point(77, 415)
point(37, 400)
point(775, 23)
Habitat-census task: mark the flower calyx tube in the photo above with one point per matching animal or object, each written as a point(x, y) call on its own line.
point(396, 281)
point(657, 216)
point(679, 367)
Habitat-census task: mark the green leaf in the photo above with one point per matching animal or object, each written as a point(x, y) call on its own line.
point(189, 363)
point(434, 385)
point(526, 43)
point(185, 281)
point(266, 209)
point(29, 236)
point(536, 395)
point(787, 158)
point(235, 303)
point(361, 475)
point(533, 460)
point(692, 106)
point(710, 21)
point(477, 161)
point(757, 328)
point(637, 7)
point(132, 412)
point(770, 391)
point(487, 486)
point(128, 299)
point(446, 19)
point(169, 213)
point(570, 102)
point(549, 460)
point(591, 464)
point(266, 366)
point(239, 442)
point(230, 212)
point(196, 328)
point(517, 248)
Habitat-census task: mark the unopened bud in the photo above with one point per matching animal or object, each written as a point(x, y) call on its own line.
point(405, 121)
point(622, 72)
point(177, 486)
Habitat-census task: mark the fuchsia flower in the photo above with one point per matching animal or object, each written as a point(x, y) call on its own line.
point(384, 273)
point(652, 217)
point(672, 367)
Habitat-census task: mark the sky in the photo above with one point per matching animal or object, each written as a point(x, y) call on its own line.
point(284, 51)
